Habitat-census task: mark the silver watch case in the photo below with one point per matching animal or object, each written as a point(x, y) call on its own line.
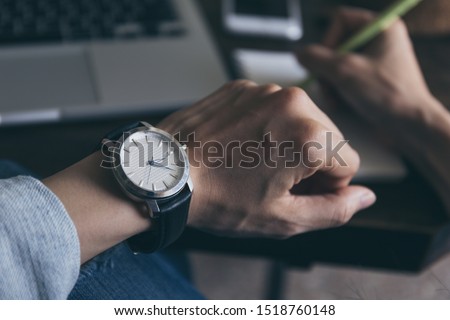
point(135, 192)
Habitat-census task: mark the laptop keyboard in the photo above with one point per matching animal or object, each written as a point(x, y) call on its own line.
point(37, 21)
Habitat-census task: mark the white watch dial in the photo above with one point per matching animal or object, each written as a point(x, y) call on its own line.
point(152, 161)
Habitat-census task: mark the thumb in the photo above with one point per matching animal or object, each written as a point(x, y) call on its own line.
point(336, 208)
point(330, 65)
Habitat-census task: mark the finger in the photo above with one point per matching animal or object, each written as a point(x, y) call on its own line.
point(345, 23)
point(318, 145)
point(328, 210)
point(303, 106)
point(331, 161)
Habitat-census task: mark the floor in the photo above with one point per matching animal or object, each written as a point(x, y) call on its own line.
point(230, 277)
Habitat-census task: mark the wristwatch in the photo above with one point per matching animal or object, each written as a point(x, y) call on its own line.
point(151, 167)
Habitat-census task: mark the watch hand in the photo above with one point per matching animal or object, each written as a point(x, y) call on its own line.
point(149, 171)
point(162, 159)
point(165, 167)
point(168, 153)
point(156, 164)
point(153, 163)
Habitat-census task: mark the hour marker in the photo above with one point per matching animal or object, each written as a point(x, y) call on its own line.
point(160, 143)
point(146, 138)
point(173, 176)
point(141, 183)
point(128, 151)
point(135, 143)
point(153, 187)
point(166, 184)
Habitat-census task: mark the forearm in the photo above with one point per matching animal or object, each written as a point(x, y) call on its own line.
point(101, 212)
point(39, 246)
point(426, 142)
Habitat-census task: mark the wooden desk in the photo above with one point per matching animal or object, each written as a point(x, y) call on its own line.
point(406, 230)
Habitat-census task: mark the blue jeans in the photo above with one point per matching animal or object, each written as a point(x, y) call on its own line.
point(119, 274)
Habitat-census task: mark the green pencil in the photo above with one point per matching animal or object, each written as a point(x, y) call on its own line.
point(384, 20)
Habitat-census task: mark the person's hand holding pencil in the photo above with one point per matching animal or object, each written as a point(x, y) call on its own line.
point(384, 84)
point(383, 81)
point(371, 30)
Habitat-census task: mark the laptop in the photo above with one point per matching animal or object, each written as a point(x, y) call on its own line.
point(75, 59)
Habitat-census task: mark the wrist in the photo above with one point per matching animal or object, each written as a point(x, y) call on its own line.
point(426, 119)
point(101, 212)
point(426, 147)
point(135, 216)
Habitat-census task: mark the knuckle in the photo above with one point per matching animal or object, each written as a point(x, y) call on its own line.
point(348, 157)
point(400, 26)
point(292, 100)
point(296, 95)
point(239, 84)
point(270, 88)
point(310, 140)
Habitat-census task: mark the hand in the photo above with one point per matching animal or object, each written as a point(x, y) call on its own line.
point(240, 201)
point(383, 82)
point(237, 196)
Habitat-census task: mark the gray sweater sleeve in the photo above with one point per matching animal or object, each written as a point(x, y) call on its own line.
point(39, 246)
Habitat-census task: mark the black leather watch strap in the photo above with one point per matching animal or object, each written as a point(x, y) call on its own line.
point(169, 226)
point(172, 216)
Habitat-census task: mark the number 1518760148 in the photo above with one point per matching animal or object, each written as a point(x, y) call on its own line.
point(292, 309)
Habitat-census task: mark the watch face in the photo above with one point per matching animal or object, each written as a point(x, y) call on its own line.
point(153, 161)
